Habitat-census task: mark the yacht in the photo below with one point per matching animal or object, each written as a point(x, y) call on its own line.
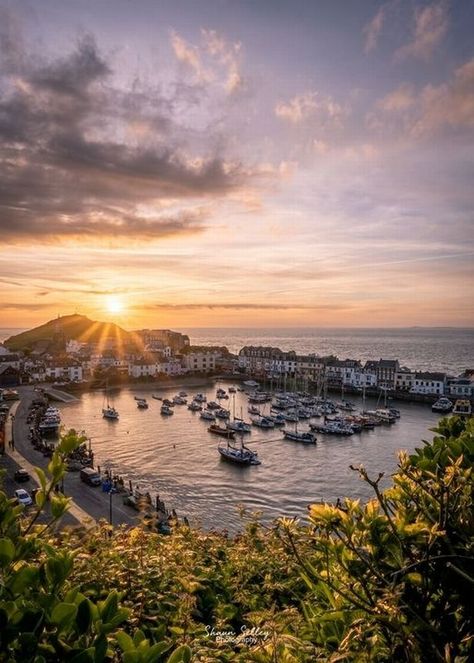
point(239, 455)
point(443, 405)
point(110, 412)
point(307, 438)
point(222, 431)
point(263, 422)
point(207, 415)
point(239, 426)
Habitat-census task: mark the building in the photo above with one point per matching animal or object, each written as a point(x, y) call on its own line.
point(201, 361)
point(8, 358)
point(68, 371)
point(158, 339)
point(404, 379)
point(385, 371)
point(429, 383)
point(462, 387)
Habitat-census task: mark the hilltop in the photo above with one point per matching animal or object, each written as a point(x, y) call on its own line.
point(53, 334)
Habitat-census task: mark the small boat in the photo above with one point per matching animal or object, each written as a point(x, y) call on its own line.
point(239, 426)
point(291, 416)
point(166, 401)
point(253, 410)
point(220, 393)
point(263, 422)
point(462, 407)
point(207, 415)
point(442, 405)
point(166, 410)
point(200, 398)
point(232, 390)
point(179, 400)
point(307, 438)
point(222, 414)
point(141, 403)
point(278, 419)
point(239, 456)
point(183, 394)
point(250, 384)
point(156, 397)
point(220, 430)
point(195, 407)
point(212, 405)
point(110, 413)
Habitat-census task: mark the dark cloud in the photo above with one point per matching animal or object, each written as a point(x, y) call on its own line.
point(81, 157)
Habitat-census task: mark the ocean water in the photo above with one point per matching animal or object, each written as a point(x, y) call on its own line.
point(425, 349)
point(177, 457)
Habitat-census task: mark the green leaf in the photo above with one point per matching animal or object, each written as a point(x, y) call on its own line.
point(83, 617)
point(27, 576)
point(63, 614)
point(41, 477)
point(125, 642)
point(86, 656)
point(109, 607)
point(7, 552)
point(154, 653)
point(181, 655)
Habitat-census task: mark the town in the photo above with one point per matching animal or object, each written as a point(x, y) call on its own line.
point(117, 357)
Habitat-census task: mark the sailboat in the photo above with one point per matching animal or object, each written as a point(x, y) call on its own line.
point(109, 412)
point(239, 456)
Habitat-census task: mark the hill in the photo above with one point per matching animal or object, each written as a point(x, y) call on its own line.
point(54, 334)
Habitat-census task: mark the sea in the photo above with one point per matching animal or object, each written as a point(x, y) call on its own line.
point(177, 458)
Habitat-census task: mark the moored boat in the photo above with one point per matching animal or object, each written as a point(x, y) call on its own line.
point(207, 415)
point(307, 438)
point(442, 405)
point(166, 410)
point(220, 430)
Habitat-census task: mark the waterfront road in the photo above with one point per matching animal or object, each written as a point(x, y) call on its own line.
point(89, 504)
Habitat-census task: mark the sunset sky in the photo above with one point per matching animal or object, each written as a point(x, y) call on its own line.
point(237, 162)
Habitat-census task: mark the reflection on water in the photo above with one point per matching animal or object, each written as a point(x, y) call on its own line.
point(177, 457)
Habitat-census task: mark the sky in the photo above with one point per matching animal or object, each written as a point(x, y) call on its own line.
point(220, 163)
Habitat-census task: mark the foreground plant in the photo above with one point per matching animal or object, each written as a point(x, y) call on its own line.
point(43, 615)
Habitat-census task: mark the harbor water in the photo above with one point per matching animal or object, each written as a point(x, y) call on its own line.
point(177, 457)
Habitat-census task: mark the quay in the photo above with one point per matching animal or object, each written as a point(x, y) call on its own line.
point(88, 504)
point(59, 395)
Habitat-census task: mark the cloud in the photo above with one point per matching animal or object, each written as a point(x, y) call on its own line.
point(189, 56)
point(373, 29)
point(81, 156)
point(311, 106)
point(215, 62)
point(228, 55)
point(398, 100)
point(245, 307)
point(433, 109)
point(430, 27)
point(448, 105)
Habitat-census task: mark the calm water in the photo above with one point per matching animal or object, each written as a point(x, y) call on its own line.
point(450, 350)
point(177, 457)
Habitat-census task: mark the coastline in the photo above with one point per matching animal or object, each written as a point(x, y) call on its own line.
point(88, 504)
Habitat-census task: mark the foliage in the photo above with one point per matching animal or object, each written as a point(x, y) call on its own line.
point(390, 580)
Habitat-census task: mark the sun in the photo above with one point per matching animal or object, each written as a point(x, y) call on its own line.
point(114, 304)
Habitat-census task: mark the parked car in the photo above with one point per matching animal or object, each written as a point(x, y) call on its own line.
point(23, 497)
point(21, 475)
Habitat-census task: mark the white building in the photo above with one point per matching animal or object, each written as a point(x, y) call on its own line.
point(429, 383)
point(201, 361)
point(171, 367)
point(71, 372)
point(461, 388)
point(142, 368)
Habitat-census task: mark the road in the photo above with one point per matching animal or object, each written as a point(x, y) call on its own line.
point(89, 504)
